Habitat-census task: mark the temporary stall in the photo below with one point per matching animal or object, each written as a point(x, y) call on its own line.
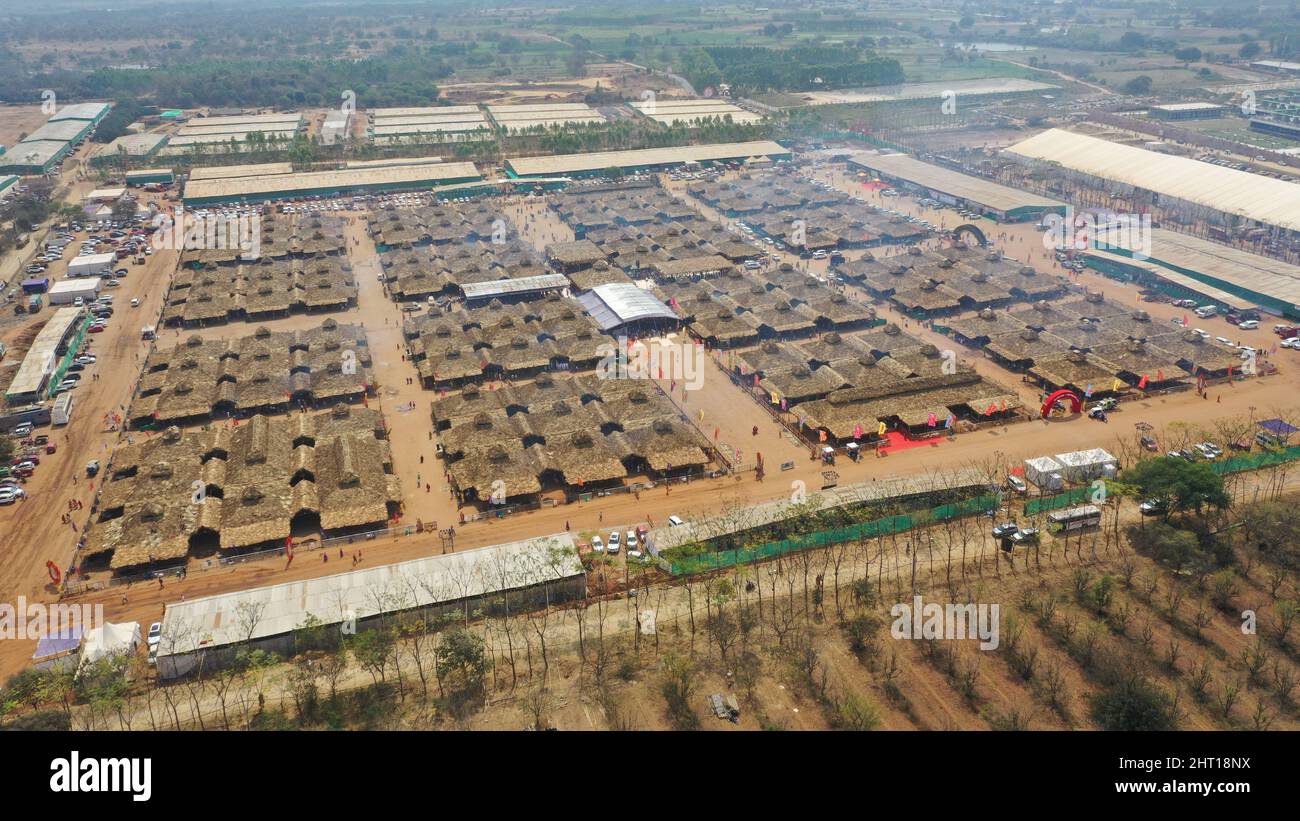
point(57, 650)
point(1045, 472)
point(109, 640)
point(66, 291)
point(1086, 465)
point(91, 265)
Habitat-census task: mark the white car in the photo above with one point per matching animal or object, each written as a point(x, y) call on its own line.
point(10, 494)
point(612, 548)
point(1248, 325)
point(597, 545)
point(631, 540)
point(675, 521)
point(1293, 342)
point(155, 636)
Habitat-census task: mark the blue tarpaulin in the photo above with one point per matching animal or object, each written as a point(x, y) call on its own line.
point(1277, 427)
point(63, 642)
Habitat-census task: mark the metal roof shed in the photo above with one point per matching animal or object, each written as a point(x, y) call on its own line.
point(619, 303)
point(547, 565)
point(474, 291)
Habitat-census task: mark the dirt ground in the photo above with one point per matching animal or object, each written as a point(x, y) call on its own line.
point(17, 121)
point(723, 405)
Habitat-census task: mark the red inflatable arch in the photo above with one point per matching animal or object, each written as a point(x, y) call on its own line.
point(1076, 404)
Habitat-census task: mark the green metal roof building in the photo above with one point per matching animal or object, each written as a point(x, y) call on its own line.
point(144, 176)
point(33, 157)
point(41, 151)
point(646, 159)
point(328, 183)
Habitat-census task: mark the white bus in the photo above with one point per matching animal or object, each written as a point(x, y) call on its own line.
point(1075, 518)
point(62, 411)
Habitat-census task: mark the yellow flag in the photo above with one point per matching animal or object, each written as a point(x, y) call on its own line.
point(1116, 385)
point(881, 430)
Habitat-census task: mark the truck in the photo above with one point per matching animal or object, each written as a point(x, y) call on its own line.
point(61, 413)
point(34, 303)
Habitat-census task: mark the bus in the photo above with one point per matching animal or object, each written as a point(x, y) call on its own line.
point(1075, 518)
point(61, 414)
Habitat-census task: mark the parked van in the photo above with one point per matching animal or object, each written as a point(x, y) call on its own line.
point(1207, 311)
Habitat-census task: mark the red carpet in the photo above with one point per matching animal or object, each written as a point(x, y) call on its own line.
point(898, 441)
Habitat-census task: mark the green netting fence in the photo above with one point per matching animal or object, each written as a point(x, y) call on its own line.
point(716, 560)
point(1076, 496)
point(837, 134)
point(1255, 461)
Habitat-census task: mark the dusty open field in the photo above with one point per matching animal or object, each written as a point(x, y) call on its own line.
point(17, 121)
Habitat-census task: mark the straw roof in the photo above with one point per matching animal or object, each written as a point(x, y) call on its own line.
point(245, 482)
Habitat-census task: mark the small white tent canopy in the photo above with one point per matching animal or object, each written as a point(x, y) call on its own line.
point(109, 640)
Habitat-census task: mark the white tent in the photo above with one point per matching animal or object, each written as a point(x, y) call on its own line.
point(1086, 465)
point(1045, 472)
point(109, 640)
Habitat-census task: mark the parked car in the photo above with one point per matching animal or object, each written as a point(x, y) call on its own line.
point(1005, 530)
point(1149, 443)
point(1025, 535)
point(1152, 507)
point(1017, 484)
point(1208, 451)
